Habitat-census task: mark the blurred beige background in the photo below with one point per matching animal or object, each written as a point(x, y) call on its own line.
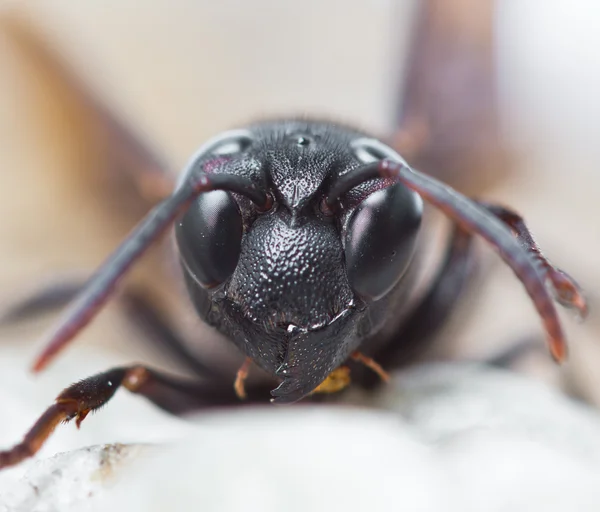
point(181, 74)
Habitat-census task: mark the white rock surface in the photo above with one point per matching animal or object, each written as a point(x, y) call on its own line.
point(69, 481)
point(447, 437)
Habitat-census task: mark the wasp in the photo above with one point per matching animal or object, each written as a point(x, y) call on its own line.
point(299, 240)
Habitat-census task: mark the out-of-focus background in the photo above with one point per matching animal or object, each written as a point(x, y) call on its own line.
point(181, 73)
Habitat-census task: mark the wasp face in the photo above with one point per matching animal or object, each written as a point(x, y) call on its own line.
point(292, 286)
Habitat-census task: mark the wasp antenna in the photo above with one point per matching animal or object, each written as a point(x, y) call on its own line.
point(473, 218)
point(102, 284)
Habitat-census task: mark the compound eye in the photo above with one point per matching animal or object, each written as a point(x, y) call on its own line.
point(381, 240)
point(209, 238)
point(226, 144)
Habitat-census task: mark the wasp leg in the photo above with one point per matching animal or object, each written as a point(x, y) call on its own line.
point(77, 401)
point(61, 291)
point(359, 357)
point(52, 295)
point(508, 357)
point(156, 328)
point(239, 385)
point(567, 291)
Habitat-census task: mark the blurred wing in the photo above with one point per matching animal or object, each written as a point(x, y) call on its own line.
point(134, 165)
point(449, 124)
